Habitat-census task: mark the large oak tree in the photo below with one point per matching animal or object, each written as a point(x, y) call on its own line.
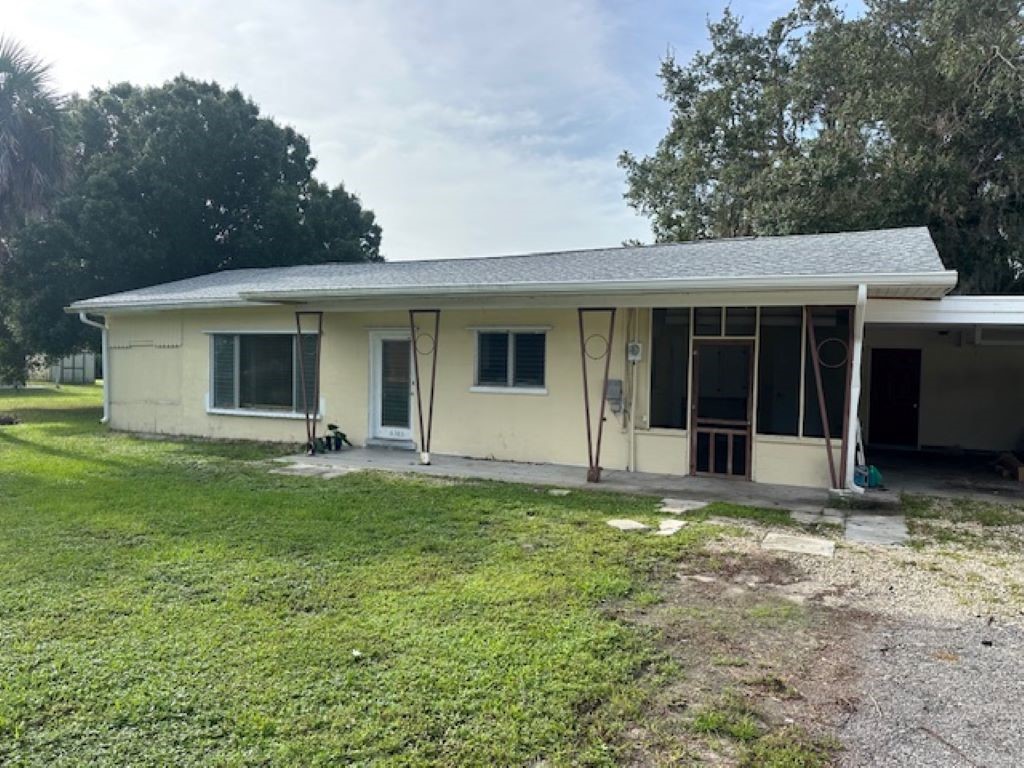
point(909, 114)
point(171, 182)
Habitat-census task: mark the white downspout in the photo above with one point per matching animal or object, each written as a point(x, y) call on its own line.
point(634, 330)
point(106, 363)
point(852, 418)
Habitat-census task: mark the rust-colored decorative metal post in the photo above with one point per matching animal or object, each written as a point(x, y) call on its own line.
point(594, 446)
point(415, 336)
point(812, 337)
point(309, 412)
point(848, 423)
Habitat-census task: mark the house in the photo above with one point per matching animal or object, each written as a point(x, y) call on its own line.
point(759, 358)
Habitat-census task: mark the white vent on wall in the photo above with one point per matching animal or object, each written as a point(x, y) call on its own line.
point(997, 336)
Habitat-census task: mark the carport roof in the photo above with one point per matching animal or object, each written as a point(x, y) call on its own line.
point(893, 262)
point(952, 310)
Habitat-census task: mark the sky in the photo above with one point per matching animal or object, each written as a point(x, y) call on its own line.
point(469, 128)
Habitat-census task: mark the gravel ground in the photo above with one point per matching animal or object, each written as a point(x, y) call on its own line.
point(943, 582)
point(940, 695)
point(941, 676)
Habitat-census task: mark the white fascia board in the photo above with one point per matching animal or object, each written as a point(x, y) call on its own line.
point(950, 310)
point(940, 280)
point(151, 306)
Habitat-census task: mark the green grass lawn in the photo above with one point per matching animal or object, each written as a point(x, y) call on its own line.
point(173, 603)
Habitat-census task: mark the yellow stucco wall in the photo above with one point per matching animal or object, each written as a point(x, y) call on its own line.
point(160, 382)
point(970, 394)
point(793, 461)
point(165, 389)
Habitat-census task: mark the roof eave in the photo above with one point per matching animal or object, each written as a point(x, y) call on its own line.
point(943, 282)
point(940, 283)
point(101, 308)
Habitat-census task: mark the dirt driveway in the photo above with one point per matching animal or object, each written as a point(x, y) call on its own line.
point(880, 656)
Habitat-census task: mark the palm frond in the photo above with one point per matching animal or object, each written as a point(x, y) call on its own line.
point(32, 160)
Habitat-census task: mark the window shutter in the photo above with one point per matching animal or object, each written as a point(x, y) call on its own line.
point(224, 371)
point(308, 352)
point(529, 360)
point(492, 359)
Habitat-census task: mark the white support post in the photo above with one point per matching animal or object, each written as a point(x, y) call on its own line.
point(855, 362)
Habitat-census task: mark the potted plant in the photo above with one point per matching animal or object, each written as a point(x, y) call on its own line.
point(337, 438)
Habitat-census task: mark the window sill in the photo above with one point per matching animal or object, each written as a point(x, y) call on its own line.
point(258, 414)
point(509, 390)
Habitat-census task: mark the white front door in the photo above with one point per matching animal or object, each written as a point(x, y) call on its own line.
point(391, 385)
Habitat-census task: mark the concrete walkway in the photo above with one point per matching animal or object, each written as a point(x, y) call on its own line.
point(563, 476)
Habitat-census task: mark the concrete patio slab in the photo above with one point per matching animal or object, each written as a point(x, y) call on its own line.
point(886, 530)
point(800, 545)
point(561, 476)
point(628, 525)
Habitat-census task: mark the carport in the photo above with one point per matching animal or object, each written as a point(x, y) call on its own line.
point(942, 385)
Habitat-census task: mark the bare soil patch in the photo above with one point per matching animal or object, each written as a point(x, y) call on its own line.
point(754, 654)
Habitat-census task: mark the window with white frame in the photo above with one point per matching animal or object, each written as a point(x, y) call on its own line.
point(510, 359)
point(261, 371)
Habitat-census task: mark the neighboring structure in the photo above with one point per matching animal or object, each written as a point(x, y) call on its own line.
point(724, 355)
point(78, 368)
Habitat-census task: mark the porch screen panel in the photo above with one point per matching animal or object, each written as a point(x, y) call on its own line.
point(528, 364)
point(707, 321)
point(265, 367)
point(722, 384)
point(309, 363)
point(670, 367)
point(778, 371)
point(224, 371)
point(832, 327)
point(396, 380)
point(740, 321)
point(492, 359)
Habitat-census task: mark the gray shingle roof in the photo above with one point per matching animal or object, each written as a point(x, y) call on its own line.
point(842, 258)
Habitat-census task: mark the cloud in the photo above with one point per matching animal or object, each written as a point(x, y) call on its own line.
point(470, 128)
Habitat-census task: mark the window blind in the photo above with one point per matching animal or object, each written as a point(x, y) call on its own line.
point(224, 371)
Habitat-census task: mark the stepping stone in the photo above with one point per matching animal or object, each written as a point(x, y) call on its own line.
point(887, 530)
point(704, 578)
point(800, 545)
point(680, 506)
point(311, 470)
point(559, 492)
point(811, 515)
point(669, 527)
point(628, 525)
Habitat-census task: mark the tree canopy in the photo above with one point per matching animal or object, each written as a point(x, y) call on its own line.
point(167, 183)
point(909, 114)
point(32, 165)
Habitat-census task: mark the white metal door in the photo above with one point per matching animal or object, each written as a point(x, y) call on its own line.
point(391, 390)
